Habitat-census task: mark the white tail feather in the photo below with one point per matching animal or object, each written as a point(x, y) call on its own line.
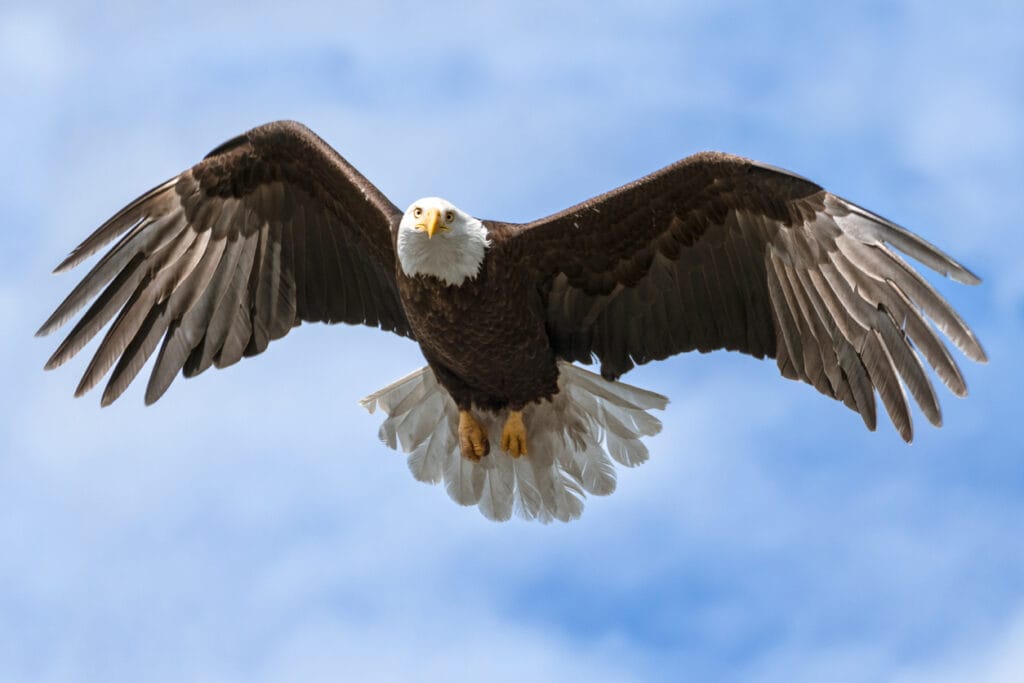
point(572, 442)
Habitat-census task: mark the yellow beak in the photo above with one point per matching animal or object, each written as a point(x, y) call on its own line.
point(433, 222)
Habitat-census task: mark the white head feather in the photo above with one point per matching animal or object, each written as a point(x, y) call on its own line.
point(453, 254)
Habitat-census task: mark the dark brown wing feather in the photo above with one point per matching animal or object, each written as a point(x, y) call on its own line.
point(719, 252)
point(272, 228)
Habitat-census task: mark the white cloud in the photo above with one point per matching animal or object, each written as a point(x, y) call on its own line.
point(994, 656)
point(33, 48)
point(462, 645)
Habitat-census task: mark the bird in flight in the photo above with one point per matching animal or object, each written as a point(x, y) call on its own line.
point(274, 228)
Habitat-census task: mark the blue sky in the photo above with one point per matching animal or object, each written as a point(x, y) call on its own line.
point(249, 527)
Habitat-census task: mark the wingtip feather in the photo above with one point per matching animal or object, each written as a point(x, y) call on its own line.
point(981, 356)
point(65, 265)
point(54, 322)
point(965, 276)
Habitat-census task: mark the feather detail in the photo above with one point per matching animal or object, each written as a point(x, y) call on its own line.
point(575, 440)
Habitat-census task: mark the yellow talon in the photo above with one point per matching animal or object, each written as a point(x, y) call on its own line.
point(472, 438)
point(513, 436)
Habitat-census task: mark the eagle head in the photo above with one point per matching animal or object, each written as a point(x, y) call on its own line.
point(437, 239)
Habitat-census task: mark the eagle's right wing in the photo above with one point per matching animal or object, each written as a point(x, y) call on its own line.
point(272, 228)
point(720, 252)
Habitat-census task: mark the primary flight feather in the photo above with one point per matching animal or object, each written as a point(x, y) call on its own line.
point(274, 228)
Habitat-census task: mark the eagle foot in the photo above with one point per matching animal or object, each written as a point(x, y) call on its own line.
point(472, 438)
point(513, 435)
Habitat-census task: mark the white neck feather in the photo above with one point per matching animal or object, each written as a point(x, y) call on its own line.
point(452, 256)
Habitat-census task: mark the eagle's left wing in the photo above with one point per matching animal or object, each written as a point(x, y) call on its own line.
point(271, 229)
point(719, 252)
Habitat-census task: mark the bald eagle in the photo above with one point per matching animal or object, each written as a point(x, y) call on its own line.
point(274, 228)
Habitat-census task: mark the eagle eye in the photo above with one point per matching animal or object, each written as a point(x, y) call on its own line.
point(449, 217)
point(417, 212)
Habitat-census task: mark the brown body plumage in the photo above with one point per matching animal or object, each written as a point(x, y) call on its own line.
point(486, 339)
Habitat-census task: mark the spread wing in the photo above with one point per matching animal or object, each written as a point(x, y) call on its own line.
point(272, 228)
point(719, 252)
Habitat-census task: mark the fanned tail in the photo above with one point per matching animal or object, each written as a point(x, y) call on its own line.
point(574, 441)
